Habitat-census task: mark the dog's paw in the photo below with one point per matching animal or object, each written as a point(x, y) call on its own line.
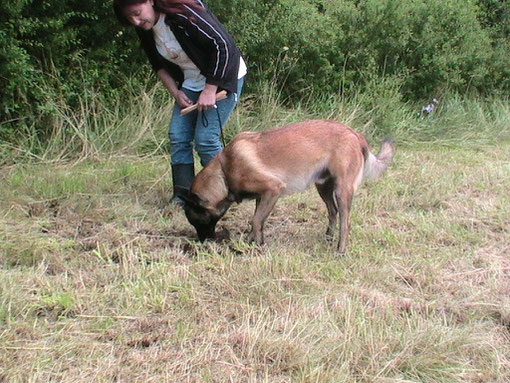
point(257, 239)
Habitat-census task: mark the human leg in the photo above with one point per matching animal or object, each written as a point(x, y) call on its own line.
point(210, 123)
point(181, 133)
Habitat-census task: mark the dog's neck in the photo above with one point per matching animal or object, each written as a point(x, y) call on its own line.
point(211, 187)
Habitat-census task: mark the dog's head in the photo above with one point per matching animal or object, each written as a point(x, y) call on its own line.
point(204, 220)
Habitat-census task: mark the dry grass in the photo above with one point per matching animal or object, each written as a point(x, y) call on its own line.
point(101, 279)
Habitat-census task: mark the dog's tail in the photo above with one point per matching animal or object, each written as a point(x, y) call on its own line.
point(376, 165)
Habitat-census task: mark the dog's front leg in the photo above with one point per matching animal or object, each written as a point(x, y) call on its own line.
point(264, 206)
point(251, 236)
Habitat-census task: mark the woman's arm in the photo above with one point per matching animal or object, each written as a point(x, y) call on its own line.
point(207, 32)
point(207, 98)
point(180, 97)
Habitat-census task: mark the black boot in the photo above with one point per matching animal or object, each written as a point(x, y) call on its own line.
point(182, 177)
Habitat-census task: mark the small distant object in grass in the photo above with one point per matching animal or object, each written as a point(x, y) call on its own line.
point(430, 108)
point(188, 248)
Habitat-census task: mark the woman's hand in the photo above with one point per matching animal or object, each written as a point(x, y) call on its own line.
point(207, 99)
point(180, 97)
point(182, 100)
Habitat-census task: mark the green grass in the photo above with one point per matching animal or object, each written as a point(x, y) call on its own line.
point(134, 120)
point(101, 279)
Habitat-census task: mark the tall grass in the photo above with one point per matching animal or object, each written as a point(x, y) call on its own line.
point(125, 121)
point(134, 119)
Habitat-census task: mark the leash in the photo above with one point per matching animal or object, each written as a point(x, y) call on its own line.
point(205, 122)
point(219, 96)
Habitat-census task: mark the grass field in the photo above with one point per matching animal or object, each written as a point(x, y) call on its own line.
point(102, 280)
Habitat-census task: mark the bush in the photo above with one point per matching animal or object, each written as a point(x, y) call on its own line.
point(331, 47)
point(340, 45)
point(78, 43)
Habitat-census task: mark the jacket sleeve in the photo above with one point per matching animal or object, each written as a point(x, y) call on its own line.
point(206, 31)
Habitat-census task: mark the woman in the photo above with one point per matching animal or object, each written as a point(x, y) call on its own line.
point(195, 57)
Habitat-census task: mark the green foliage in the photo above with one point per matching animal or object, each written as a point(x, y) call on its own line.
point(495, 18)
point(74, 52)
point(64, 47)
point(333, 45)
point(495, 15)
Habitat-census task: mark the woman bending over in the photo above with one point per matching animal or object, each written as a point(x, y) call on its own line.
point(195, 57)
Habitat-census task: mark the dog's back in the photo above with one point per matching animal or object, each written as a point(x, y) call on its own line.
point(299, 154)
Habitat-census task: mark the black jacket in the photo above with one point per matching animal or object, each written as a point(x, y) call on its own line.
point(206, 42)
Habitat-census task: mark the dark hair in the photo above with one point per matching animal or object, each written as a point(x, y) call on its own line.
point(173, 6)
point(118, 8)
point(166, 6)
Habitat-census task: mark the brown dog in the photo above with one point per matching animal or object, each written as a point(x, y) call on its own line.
point(267, 165)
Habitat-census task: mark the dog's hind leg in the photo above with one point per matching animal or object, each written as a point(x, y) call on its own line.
point(344, 195)
point(348, 176)
point(326, 191)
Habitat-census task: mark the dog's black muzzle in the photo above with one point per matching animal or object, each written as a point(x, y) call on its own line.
point(206, 232)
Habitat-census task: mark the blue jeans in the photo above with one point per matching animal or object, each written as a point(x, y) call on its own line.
point(203, 128)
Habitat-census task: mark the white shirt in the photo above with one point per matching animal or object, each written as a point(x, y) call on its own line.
point(168, 47)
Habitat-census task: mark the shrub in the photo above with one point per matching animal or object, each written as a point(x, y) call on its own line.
point(341, 44)
point(77, 51)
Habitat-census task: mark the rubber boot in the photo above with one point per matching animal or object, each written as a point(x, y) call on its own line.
point(182, 177)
